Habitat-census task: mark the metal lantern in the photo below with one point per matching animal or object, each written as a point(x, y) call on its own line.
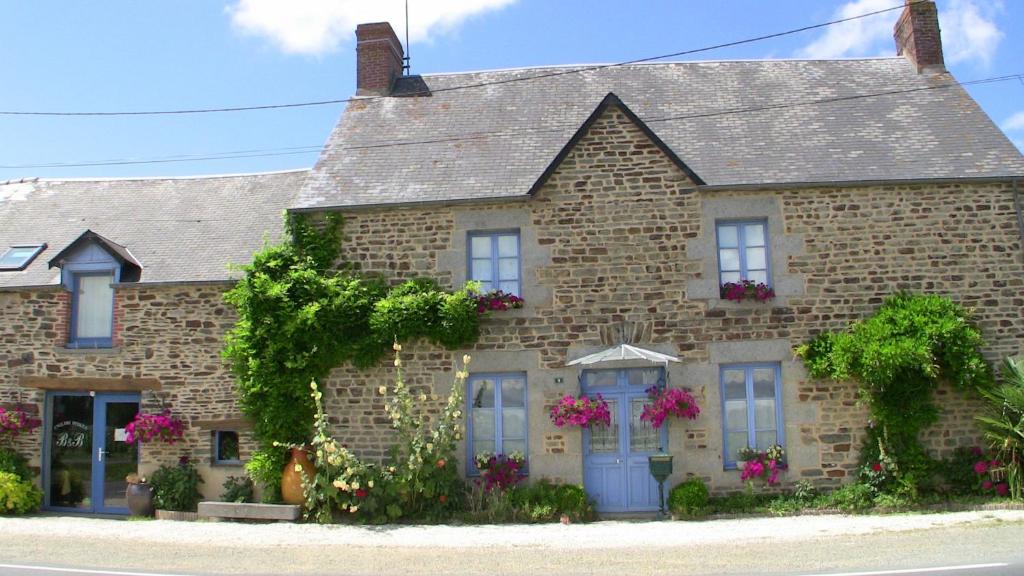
point(660, 465)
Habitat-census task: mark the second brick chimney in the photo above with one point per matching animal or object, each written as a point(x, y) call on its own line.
point(918, 38)
point(378, 59)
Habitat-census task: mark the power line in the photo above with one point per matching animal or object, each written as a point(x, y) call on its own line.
point(481, 135)
point(465, 86)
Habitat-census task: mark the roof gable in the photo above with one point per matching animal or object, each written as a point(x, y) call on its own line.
point(131, 268)
point(608, 101)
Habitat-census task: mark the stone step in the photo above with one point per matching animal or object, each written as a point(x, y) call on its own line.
point(247, 511)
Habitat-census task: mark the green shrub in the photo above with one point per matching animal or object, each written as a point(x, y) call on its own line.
point(238, 489)
point(265, 467)
point(541, 501)
point(689, 499)
point(851, 498)
point(804, 491)
point(176, 487)
point(11, 461)
point(18, 496)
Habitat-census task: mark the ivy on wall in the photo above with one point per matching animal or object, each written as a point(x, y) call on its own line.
point(299, 317)
point(898, 357)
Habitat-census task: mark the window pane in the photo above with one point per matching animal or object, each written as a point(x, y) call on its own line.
point(605, 439)
point(15, 257)
point(758, 277)
point(764, 383)
point(227, 445)
point(510, 287)
point(482, 393)
point(510, 446)
point(482, 270)
point(730, 277)
point(602, 378)
point(736, 414)
point(513, 391)
point(737, 440)
point(645, 377)
point(481, 445)
point(727, 237)
point(764, 413)
point(513, 423)
point(642, 436)
point(480, 247)
point(508, 245)
point(729, 259)
point(754, 234)
point(756, 259)
point(766, 439)
point(95, 306)
point(735, 384)
point(508, 268)
point(483, 424)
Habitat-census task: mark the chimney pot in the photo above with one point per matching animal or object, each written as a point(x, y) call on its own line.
point(917, 36)
point(378, 59)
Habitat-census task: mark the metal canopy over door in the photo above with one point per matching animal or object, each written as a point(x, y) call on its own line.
point(615, 468)
point(86, 458)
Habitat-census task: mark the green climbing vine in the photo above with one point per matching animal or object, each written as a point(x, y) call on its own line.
point(299, 317)
point(898, 357)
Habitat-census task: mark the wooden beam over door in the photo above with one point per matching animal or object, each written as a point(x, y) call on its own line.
point(126, 384)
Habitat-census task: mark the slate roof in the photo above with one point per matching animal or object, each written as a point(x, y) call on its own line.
point(495, 141)
point(178, 229)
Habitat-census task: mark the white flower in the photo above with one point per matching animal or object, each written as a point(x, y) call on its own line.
point(397, 347)
point(466, 358)
point(398, 361)
point(383, 390)
point(369, 483)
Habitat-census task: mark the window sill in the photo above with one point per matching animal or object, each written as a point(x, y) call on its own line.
point(525, 312)
point(226, 463)
point(109, 351)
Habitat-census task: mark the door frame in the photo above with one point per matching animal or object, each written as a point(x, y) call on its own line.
point(98, 441)
point(624, 394)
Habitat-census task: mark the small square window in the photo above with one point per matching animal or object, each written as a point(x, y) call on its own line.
point(19, 257)
point(225, 447)
point(494, 261)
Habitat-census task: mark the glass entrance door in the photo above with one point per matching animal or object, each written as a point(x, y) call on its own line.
point(87, 456)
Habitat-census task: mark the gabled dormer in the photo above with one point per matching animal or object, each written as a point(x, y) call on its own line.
point(90, 266)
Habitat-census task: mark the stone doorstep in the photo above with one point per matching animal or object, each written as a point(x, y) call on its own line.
point(246, 511)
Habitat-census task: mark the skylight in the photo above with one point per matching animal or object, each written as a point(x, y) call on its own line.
point(19, 257)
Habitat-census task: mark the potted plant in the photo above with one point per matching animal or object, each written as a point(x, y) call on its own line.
point(765, 465)
point(16, 422)
point(176, 490)
point(162, 427)
point(676, 402)
point(747, 290)
point(139, 495)
point(744, 455)
point(582, 411)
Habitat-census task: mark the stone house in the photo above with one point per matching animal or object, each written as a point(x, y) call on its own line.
point(111, 298)
point(615, 200)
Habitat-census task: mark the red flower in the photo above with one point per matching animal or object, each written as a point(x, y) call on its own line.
point(980, 467)
point(442, 498)
point(440, 463)
point(877, 467)
point(361, 493)
point(1002, 489)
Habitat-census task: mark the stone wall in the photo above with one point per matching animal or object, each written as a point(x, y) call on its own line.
point(171, 334)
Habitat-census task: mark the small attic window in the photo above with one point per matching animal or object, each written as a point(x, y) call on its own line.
point(19, 257)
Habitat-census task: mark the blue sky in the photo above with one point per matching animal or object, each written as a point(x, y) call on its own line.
point(174, 54)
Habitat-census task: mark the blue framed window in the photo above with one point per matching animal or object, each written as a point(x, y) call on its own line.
point(225, 447)
point(92, 310)
point(743, 251)
point(19, 257)
point(494, 261)
point(751, 408)
point(497, 415)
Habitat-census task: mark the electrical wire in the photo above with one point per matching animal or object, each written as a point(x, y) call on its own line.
point(464, 86)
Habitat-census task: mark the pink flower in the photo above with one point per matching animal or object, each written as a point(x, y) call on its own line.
point(877, 467)
point(1002, 489)
point(986, 485)
point(980, 467)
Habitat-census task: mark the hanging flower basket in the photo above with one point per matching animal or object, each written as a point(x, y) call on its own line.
point(162, 427)
point(582, 411)
point(16, 422)
point(676, 402)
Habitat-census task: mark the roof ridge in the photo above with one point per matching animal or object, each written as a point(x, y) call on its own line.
point(150, 178)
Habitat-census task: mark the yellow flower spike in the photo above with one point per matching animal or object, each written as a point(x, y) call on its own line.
point(466, 358)
point(423, 397)
point(383, 390)
point(398, 361)
point(397, 347)
point(312, 384)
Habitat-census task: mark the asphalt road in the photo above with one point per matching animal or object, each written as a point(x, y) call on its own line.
point(991, 549)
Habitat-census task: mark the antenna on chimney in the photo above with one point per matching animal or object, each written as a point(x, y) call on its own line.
point(406, 66)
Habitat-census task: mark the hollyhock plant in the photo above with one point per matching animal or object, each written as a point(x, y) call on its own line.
point(676, 402)
point(747, 290)
point(583, 411)
point(162, 427)
point(15, 422)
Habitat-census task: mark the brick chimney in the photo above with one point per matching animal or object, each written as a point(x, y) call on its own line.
point(917, 36)
point(378, 59)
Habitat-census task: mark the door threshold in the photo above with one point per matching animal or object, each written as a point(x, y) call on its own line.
point(628, 515)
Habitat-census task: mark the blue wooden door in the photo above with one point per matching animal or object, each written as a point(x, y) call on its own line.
point(615, 469)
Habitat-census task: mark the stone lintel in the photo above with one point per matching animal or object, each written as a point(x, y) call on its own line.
point(124, 384)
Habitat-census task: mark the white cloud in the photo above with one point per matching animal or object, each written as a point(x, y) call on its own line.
point(1015, 122)
point(969, 31)
point(321, 26)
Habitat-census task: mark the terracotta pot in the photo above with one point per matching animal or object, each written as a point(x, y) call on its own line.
point(291, 479)
point(140, 499)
